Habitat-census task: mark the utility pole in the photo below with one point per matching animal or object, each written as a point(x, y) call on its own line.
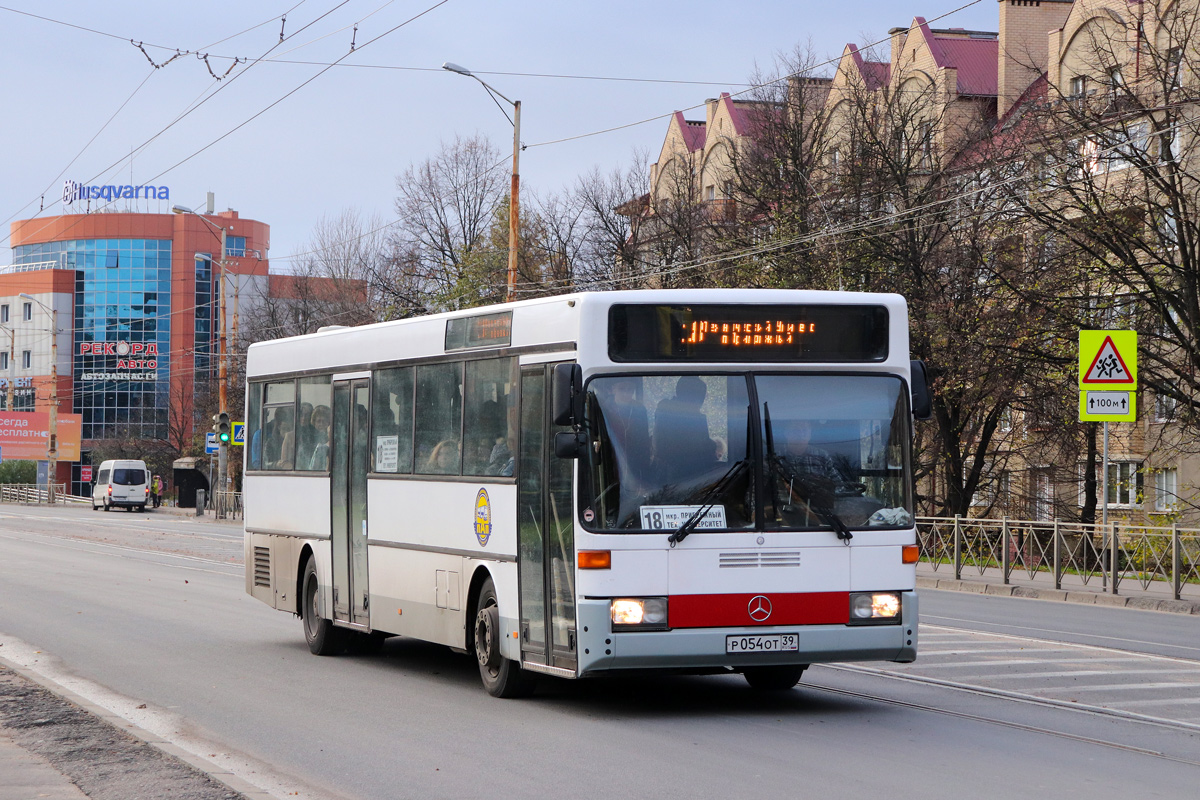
point(222, 376)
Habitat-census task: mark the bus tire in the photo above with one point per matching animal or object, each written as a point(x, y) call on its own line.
point(324, 639)
point(773, 679)
point(501, 677)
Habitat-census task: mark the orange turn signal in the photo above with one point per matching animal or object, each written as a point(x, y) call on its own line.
point(911, 554)
point(595, 559)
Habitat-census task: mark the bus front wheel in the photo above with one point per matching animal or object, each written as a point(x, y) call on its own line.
point(773, 679)
point(324, 639)
point(501, 677)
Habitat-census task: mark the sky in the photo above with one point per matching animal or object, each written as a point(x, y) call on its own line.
point(291, 143)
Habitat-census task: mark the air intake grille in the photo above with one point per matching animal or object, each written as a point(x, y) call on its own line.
point(262, 566)
point(790, 558)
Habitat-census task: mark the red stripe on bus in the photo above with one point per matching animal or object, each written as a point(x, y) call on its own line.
point(734, 610)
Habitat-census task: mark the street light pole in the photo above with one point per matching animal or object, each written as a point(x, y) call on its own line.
point(514, 217)
point(222, 368)
point(52, 449)
point(12, 367)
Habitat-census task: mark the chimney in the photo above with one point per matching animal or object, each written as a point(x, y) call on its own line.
point(1024, 53)
point(710, 112)
point(899, 37)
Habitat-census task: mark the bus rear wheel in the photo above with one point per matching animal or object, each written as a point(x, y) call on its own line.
point(324, 639)
point(773, 679)
point(502, 677)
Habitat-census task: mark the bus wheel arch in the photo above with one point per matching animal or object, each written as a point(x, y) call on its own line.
point(323, 637)
point(306, 555)
point(479, 577)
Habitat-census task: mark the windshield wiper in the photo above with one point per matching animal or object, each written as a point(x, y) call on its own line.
point(821, 506)
point(708, 500)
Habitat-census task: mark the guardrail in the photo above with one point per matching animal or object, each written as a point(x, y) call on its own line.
point(33, 493)
point(227, 505)
point(1054, 549)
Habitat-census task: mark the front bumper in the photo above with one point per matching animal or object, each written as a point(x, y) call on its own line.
point(601, 650)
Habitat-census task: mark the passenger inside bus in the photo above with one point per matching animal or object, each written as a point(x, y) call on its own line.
point(444, 458)
point(322, 417)
point(681, 439)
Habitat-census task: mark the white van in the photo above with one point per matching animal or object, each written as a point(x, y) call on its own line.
point(124, 483)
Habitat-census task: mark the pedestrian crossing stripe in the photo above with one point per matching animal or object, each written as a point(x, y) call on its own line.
point(1108, 366)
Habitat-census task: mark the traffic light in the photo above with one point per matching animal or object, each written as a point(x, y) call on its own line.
point(223, 428)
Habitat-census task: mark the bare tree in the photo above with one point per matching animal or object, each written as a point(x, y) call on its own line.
point(448, 206)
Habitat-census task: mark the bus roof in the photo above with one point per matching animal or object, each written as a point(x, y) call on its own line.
point(550, 323)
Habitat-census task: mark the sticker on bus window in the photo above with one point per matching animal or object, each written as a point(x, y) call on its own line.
point(387, 453)
point(657, 518)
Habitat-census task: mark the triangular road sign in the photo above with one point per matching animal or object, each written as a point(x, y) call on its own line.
point(1108, 366)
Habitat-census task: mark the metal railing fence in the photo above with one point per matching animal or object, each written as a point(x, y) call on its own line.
point(33, 493)
point(227, 505)
point(1109, 554)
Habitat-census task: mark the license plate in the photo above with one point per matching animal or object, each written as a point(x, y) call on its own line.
point(774, 643)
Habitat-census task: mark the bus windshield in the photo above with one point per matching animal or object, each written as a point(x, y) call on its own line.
point(811, 448)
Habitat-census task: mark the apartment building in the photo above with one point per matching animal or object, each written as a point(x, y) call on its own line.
point(1064, 129)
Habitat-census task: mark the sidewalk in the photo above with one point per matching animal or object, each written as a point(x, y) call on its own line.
point(1157, 597)
point(55, 744)
point(25, 775)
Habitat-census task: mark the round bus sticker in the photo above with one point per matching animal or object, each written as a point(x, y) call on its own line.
point(483, 517)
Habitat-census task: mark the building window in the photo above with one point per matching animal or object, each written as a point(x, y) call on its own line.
point(26, 359)
point(1125, 483)
point(4, 313)
point(235, 246)
point(1174, 64)
point(4, 361)
point(1164, 407)
point(1078, 86)
point(1043, 493)
point(710, 193)
point(1115, 83)
point(1166, 490)
point(27, 312)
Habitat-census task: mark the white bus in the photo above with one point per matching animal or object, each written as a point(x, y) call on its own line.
point(693, 480)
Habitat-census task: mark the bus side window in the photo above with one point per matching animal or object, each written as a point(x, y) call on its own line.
point(489, 421)
point(279, 425)
point(312, 426)
point(392, 420)
point(254, 425)
point(439, 419)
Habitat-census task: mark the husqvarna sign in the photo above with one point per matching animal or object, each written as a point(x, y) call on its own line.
point(72, 191)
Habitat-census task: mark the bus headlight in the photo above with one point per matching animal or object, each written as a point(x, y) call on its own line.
point(877, 607)
point(642, 613)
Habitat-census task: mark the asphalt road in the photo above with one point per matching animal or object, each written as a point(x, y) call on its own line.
point(131, 610)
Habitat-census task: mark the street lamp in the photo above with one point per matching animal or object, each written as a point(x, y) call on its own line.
point(52, 450)
point(513, 194)
point(222, 374)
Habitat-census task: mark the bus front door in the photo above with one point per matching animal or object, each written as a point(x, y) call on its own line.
point(348, 500)
point(546, 545)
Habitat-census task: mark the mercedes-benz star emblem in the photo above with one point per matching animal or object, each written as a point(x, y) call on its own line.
point(759, 608)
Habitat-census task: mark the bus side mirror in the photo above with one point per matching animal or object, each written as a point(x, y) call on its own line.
point(567, 394)
point(922, 402)
point(570, 444)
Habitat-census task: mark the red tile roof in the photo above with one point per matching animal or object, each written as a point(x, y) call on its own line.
point(975, 57)
point(692, 132)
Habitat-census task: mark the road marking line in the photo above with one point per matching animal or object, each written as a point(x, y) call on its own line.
point(1012, 662)
point(1073, 674)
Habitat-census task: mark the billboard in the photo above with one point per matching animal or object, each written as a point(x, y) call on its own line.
point(27, 435)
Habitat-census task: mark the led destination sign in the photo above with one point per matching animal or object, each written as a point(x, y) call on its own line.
point(809, 333)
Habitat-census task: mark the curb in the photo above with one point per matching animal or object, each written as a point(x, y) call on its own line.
point(1086, 598)
point(247, 790)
